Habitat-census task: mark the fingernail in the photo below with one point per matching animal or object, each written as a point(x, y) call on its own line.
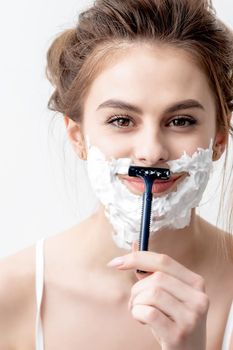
point(116, 262)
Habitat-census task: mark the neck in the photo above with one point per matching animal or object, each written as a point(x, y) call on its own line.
point(182, 245)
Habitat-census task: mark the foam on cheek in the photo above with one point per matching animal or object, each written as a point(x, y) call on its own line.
point(116, 166)
point(191, 163)
point(123, 208)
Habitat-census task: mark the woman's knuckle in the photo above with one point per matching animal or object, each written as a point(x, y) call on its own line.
point(203, 304)
point(159, 276)
point(150, 293)
point(164, 259)
point(132, 258)
point(158, 291)
point(150, 315)
point(135, 311)
point(199, 282)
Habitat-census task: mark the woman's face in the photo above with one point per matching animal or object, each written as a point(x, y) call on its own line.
point(150, 105)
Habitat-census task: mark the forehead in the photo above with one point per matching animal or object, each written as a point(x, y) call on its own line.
point(151, 75)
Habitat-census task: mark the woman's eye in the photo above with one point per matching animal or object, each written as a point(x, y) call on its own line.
point(121, 122)
point(182, 122)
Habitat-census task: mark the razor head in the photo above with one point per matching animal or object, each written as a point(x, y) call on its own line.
point(146, 172)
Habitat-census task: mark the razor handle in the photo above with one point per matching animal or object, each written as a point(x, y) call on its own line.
point(149, 175)
point(145, 221)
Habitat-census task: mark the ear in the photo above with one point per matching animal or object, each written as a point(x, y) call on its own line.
point(220, 143)
point(76, 137)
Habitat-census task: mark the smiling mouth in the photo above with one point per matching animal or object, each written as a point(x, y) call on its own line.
point(160, 187)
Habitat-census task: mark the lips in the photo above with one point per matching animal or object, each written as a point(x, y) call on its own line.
point(137, 186)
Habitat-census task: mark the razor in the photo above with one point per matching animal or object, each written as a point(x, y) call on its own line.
point(149, 176)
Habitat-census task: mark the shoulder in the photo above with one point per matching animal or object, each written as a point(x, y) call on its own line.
point(218, 257)
point(17, 292)
point(17, 276)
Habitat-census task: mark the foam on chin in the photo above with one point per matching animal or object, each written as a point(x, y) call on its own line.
point(123, 208)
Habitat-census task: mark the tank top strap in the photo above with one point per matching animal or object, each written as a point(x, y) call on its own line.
point(39, 282)
point(228, 330)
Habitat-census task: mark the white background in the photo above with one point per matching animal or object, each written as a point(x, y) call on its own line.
point(35, 200)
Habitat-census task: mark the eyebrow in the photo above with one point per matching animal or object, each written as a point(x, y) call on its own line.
point(180, 105)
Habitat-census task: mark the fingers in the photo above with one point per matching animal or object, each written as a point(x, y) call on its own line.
point(170, 298)
point(152, 304)
point(170, 320)
point(151, 262)
point(168, 305)
point(193, 298)
point(146, 314)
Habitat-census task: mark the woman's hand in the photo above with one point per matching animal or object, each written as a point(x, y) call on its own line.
point(170, 299)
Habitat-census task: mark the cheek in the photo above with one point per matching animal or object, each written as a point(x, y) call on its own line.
point(109, 147)
point(189, 144)
point(114, 150)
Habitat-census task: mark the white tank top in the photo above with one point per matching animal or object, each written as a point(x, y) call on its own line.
point(39, 280)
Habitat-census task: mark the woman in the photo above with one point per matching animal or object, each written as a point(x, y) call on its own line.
point(149, 83)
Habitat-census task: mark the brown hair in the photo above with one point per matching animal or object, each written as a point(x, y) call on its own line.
point(77, 54)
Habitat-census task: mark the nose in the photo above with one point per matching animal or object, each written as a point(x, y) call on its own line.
point(150, 148)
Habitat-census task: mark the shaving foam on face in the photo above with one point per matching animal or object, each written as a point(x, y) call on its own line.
point(123, 208)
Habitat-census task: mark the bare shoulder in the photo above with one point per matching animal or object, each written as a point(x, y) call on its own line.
point(220, 248)
point(17, 285)
point(17, 292)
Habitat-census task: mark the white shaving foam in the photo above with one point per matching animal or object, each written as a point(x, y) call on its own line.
point(123, 208)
